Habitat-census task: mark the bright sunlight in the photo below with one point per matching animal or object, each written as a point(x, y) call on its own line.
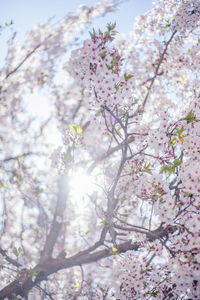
point(81, 185)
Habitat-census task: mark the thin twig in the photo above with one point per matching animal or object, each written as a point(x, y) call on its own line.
point(158, 67)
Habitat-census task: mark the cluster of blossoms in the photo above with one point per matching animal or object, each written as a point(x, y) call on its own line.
point(97, 69)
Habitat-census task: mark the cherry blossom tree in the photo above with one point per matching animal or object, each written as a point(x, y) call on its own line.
point(101, 194)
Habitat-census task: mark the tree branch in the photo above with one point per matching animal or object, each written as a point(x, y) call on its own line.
point(24, 284)
point(57, 220)
point(9, 259)
point(23, 61)
point(17, 156)
point(158, 67)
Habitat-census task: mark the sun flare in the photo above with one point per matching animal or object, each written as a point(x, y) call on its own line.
point(81, 184)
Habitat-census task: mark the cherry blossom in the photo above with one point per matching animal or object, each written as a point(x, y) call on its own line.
point(125, 113)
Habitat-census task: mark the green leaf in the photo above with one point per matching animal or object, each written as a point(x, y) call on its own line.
point(116, 87)
point(147, 168)
point(190, 117)
point(76, 129)
point(141, 111)
point(31, 273)
point(92, 34)
point(166, 25)
point(180, 131)
point(77, 283)
point(100, 32)
point(19, 177)
point(124, 215)
point(154, 294)
point(171, 295)
point(108, 67)
point(17, 251)
point(127, 77)
point(187, 194)
point(114, 250)
point(111, 26)
point(167, 169)
point(177, 162)
point(170, 168)
point(162, 200)
point(3, 185)
point(102, 55)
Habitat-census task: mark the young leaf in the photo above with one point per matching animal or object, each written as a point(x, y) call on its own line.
point(190, 117)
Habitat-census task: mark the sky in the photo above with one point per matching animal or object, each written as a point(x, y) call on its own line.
point(25, 14)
